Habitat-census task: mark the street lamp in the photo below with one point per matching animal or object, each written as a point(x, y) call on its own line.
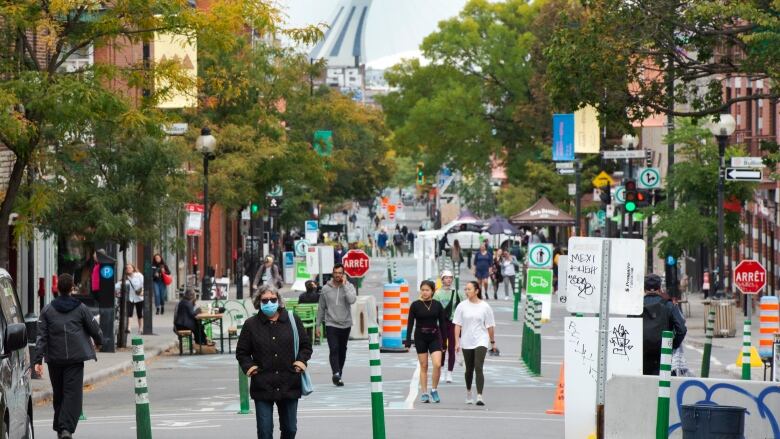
point(722, 128)
point(206, 144)
point(629, 141)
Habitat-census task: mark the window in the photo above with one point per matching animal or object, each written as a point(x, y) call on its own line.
point(9, 303)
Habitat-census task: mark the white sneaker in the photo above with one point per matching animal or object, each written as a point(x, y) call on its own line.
point(448, 376)
point(469, 397)
point(506, 297)
point(480, 401)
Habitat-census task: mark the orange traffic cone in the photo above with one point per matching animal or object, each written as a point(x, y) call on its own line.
point(558, 402)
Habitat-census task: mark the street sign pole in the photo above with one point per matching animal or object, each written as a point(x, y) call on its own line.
point(577, 204)
point(601, 380)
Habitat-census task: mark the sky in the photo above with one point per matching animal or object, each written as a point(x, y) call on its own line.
point(395, 28)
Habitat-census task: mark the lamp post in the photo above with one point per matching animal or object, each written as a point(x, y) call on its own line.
point(722, 129)
point(206, 143)
point(629, 141)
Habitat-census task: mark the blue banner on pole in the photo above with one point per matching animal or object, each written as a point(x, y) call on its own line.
point(563, 137)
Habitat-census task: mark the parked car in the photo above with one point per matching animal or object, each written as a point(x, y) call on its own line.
point(15, 368)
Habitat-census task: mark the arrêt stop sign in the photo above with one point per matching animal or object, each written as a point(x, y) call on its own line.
point(750, 276)
point(356, 263)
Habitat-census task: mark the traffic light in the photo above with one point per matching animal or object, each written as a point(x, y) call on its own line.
point(631, 196)
point(420, 174)
point(254, 208)
point(648, 158)
point(644, 198)
point(658, 196)
point(605, 196)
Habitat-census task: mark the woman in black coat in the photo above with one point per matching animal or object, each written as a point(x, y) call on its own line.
point(265, 352)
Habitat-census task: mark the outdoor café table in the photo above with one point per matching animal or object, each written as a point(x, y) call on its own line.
point(209, 318)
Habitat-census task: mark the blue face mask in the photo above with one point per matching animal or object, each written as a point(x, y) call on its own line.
point(269, 308)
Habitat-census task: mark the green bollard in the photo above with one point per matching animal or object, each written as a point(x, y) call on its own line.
point(143, 422)
point(537, 338)
point(664, 387)
point(377, 397)
point(746, 350)
point(705, 359)
point(243, 392)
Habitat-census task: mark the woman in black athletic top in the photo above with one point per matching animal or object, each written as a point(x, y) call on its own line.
point(431, 325)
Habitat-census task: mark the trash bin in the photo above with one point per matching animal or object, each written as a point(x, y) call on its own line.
point(725, 317)
point(707, 421)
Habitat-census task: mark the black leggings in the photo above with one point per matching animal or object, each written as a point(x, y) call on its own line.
point(475, 360)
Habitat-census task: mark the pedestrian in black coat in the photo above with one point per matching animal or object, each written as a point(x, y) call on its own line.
point(65, 328)
point(265, 352)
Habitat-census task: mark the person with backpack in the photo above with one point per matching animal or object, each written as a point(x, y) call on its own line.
point(659, 315)
point(450, 299)
point(398, 242)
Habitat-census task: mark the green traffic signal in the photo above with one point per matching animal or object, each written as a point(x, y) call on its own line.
point(630, 206)
point(255, 208)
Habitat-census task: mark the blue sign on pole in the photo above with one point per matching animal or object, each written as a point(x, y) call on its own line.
point(563, 137)
point(289, 259)
point(670, 260)
point(311, 226)
point(106, 272)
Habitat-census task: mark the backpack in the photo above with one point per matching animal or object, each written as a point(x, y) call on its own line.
point(655, 320)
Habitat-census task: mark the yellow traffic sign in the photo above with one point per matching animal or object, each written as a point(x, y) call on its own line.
point(603, 179)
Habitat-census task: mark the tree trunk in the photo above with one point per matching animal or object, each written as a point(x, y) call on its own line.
point(6, 207)
point(121, 338)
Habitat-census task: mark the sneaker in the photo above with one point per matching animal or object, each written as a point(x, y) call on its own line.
point(469, 398)
point(424, 398)
point(336, 379)
point(435, 396)
point(448, 376)
point(65, 434)
point(479, 400)
point(506, 297)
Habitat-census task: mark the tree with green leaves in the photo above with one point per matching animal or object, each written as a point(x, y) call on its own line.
point(625, 57)
point(45, 107)
point(693, 220)
point(481, 95)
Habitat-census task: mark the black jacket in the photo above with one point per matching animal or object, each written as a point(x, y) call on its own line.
point(269, 346)
point(309, 297)
point(64, 329)
point(184, 315)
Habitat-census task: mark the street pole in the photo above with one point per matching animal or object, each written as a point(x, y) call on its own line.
point(205, 292)
point(577, 204)
point(722, 140)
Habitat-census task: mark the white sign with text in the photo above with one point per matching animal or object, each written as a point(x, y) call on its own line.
point(581, 343)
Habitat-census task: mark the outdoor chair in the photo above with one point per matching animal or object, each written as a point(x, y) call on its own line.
point(307, 312)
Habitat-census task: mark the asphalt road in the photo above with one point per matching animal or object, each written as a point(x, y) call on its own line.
point(197, 396)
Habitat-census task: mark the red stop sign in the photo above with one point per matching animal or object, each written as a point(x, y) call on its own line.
point(356, 263)
point(750, 276)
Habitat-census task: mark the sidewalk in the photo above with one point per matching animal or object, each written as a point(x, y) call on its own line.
point(112, 364)
point(724, 349)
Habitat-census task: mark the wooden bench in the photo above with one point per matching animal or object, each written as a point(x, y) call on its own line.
point(182, 334)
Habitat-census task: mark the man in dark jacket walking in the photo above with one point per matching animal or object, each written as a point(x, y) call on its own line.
point(64, 331)
point(659, 315)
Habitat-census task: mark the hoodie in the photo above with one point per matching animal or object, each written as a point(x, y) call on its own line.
point(335, 308)
point(64, 331)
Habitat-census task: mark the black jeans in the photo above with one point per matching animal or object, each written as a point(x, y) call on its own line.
point(288, 418)
point(337, 344)
point(67, 382)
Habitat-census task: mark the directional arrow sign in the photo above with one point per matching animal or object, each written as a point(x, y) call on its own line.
point(649, 178)
point(739, 174)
